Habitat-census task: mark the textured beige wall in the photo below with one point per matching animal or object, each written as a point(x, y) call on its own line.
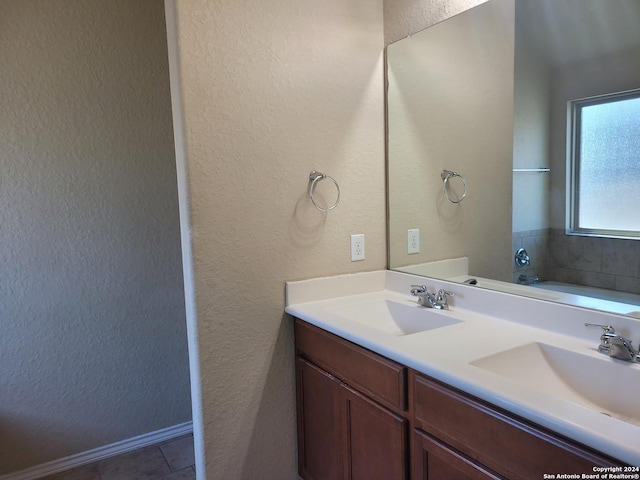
point(270, 91)
point(405, 17)
point(451, 107)
point(93, 342)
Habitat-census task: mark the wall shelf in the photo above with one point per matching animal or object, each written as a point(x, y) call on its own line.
point(538, 170)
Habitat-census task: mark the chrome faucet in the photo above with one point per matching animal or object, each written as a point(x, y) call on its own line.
point(430, 300)
point(615, 345)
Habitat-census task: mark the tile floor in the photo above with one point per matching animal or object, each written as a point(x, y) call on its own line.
point(169, 460)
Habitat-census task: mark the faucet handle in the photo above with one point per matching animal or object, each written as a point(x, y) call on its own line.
point(608, 333)
point(607, 328)
point(416, 289)
point(441, 298)
point(615, 345)
point(443, 294)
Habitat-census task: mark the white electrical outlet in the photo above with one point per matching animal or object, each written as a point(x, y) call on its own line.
point(357, 247)
point(413, 240)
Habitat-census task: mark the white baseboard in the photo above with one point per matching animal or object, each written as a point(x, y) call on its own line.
point(100, 453)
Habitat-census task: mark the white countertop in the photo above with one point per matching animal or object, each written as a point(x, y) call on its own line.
point(491, 322)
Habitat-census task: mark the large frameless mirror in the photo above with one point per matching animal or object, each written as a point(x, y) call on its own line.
point(514, 151)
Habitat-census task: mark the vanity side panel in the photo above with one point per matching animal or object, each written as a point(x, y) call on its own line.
point(507, 445)
point(379, 378)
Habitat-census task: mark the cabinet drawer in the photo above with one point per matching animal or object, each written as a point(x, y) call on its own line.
point(377, 377)
point(507, 445)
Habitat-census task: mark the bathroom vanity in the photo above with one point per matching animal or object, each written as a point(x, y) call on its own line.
point(462, 395)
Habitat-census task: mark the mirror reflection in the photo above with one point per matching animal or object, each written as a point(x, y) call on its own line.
point(535, 106)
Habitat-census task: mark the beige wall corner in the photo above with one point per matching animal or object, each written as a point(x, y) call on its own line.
point(271, 91)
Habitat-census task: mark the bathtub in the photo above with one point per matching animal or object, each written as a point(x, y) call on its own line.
point(577, 295)
point(592, 297)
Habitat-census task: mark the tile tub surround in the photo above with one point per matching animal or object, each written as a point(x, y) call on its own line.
point(169, 460)
point(491, 322)
point(610, 263)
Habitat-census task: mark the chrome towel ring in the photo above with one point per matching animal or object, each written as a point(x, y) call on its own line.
point(314, 179)
point(447, 175)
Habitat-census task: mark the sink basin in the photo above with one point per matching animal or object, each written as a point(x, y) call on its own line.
point(609, 386)
point(394, 318)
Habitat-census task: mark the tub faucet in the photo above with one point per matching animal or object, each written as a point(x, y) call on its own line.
point(615, 345)
point(430, 300)
point(528, 279)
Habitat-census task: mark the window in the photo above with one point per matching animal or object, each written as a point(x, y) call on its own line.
point(604, 183)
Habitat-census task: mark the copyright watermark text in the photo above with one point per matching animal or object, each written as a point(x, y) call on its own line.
point(599, 473)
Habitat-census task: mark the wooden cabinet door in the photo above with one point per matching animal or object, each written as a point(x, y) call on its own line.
point(319, 423)
point(433, 460)
point(375, 440)
point(344, 435)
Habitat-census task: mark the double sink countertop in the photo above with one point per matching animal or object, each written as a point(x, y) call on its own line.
point(530, 357)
